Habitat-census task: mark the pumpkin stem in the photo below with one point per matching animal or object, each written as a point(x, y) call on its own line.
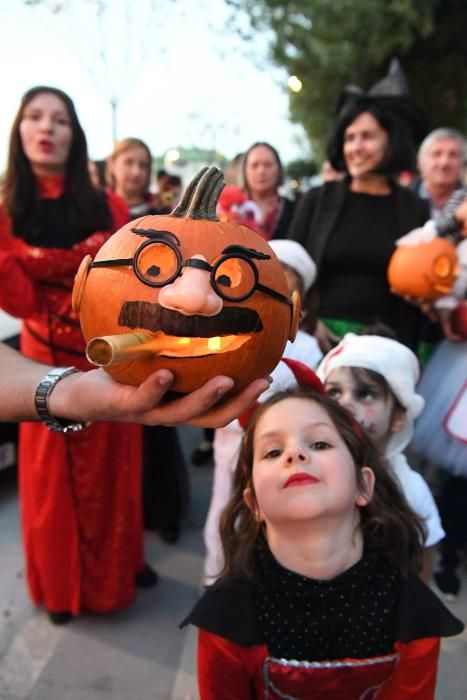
point(200, 198)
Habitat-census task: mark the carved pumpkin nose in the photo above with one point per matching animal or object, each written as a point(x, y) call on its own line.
point(191, 293)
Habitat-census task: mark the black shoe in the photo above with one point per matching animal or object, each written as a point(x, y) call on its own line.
point(448, 583)
point(202, 454)
point(147, 578)
point(60, 618)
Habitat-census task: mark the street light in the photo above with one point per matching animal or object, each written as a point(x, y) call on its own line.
point(171, 156)
point(294, 84)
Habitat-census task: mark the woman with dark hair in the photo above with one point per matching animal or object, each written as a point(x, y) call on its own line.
point(262, 176)
point(80, 491)
point(350, 227)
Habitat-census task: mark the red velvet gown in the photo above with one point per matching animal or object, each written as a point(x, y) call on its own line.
point(80, 492)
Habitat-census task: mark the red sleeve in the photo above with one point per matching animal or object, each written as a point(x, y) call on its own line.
point(415, 675)
point(118, 210)
point(227, 671)
point(19, 296)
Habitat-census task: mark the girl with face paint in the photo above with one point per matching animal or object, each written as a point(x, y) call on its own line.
point(375, 378)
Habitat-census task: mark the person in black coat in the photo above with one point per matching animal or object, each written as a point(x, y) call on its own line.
point(350, 227)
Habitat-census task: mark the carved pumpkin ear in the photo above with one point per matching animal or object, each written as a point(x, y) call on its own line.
point(80, 280)
point(296, 308)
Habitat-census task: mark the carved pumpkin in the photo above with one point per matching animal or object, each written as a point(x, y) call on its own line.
point(186, 292)
point(426, 271)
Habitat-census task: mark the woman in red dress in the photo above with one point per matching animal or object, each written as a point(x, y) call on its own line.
point(80, 492)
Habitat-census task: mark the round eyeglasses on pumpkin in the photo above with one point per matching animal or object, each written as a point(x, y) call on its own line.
point(234, 276)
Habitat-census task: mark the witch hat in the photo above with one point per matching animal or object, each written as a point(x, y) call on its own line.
point(391, 92)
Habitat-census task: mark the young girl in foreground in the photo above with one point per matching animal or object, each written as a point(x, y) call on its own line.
point(318, 597)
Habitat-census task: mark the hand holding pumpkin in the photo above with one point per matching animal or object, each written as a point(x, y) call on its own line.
point(461, 215)
point(95, 396)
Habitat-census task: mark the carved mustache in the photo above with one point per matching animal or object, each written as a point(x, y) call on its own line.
point(232, 320)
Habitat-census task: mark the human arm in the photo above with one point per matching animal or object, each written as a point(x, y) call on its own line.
point(415, 675)
point(461, 216)
point(19, 296)
point(94, 395)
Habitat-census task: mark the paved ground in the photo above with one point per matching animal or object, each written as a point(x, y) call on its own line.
point(139, 654)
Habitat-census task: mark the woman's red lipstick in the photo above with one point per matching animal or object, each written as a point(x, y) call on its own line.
point(300, 479)
point(46, 145)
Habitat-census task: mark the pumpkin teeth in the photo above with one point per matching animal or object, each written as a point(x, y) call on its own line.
point(199, 347)
point(214, 343)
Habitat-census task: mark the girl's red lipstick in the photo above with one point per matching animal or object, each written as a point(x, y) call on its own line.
point(300, 479)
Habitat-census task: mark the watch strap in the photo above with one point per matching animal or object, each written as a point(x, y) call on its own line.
point(41, 400)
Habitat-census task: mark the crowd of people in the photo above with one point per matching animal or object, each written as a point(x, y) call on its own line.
point(321, 539)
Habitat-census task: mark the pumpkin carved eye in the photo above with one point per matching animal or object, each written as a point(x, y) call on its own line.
point(157, 263)
point(236, 277)
point(442, 266)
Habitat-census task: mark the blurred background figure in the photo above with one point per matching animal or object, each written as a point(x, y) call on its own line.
point(75, 487)
point(233, 171)
point(441, 160)
point(97, 173)
point(168, 191)
point(328, 173)
point(129, 175)
point(263, 174)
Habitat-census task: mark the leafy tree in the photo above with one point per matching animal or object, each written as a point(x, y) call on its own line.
point(300, 168)
point(330, 43)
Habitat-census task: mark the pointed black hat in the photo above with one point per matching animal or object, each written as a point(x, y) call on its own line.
point(391, 92)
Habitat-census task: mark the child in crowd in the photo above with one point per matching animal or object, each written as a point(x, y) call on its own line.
point(300, 271)
point(318, 597)
point(375, 379)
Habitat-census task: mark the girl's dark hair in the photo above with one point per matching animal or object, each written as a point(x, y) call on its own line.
point(280, 177)
point(86, 206)
point(400, 154)
point(388, 523)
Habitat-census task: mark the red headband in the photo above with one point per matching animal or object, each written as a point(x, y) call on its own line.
point(304, 376)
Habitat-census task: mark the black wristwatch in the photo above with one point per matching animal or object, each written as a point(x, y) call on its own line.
point(41, 400)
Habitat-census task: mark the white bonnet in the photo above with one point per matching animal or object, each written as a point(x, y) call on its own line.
point(294, 255)
point(393, 361)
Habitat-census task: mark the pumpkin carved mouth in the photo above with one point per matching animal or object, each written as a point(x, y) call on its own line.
point(112, 349)
point(199, 347)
